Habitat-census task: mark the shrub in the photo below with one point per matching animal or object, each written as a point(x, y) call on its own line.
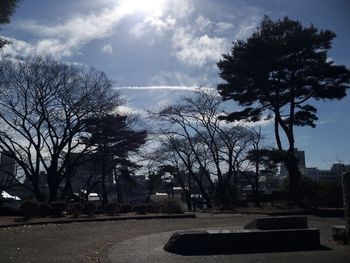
point(151, 208)
point(140, 209)
point(112, 208)
point(170, 207)
point(90, 208)
point(100, 210)
point(154, 207)
point(75, 209)
point(57, 208)
point(28, 209)
point(44, 209)
point(125, 208)
point(8, 211)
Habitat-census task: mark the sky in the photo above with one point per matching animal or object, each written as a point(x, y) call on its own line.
point(155, 51)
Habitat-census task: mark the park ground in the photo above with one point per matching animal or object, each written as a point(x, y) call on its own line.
point(93, 241)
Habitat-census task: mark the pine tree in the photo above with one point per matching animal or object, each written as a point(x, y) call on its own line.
point(277, 73)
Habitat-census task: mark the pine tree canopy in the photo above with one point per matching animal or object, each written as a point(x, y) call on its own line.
point(280, 68)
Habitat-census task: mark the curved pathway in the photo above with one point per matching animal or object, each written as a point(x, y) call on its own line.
point(149, 249)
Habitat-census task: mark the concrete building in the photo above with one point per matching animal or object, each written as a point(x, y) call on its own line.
point(134, 189)
point(89, 170)
point(7, 170)
point(332, 175)
point(322, 175)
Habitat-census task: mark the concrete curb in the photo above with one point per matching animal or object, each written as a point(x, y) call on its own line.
point(101, 219)
point(275, 213)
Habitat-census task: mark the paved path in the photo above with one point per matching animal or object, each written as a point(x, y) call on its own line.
point(93, 242)
point(149, 248)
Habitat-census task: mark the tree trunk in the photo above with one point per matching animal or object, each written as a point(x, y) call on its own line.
point(256, 186)
point(291, 162)
point(277, 135)
point(68, 191)
point(34, 180)
point(201, 189)
point(37, 193)
point(188, 200)
point(294, 175)
point(346, 200)
point(52, 190)
point(224, 200)
point(205, 196)
point(187, 193)
point(103, 182)
point(119, 191)
point(52, 179)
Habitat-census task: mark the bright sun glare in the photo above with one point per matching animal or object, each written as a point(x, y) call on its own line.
point(146, 6)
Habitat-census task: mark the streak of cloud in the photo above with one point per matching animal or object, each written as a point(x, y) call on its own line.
point(183, 88)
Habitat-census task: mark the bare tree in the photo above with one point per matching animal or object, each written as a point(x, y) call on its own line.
point(168, 159)
point(206, 146)
point(44, 106)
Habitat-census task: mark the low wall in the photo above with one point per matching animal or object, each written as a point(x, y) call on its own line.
point(242, 241)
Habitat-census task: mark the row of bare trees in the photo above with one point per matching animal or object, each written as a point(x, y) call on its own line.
point(53, 115)
point(204, 155)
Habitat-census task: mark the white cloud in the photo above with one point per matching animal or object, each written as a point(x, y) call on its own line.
point(157, 23)
point(261, 123)
point(153, 24)
point(224, 27)
point(140, 99)
point(66, 38)
point(108, 49)
point(203, 24)
point(190, 41)
point(129, 110)
point(192, 35)
point(197, 50)
point(247, 28)
point(194, 39)
point(18, 47)
point(182, 8)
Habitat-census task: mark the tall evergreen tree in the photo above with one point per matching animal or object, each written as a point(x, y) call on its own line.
point(278, 72)
point(114, 140)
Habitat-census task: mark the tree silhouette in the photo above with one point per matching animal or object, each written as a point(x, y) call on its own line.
point(277, 73)
point(114, 141)
point(212, 153)
point(6, 10)
point(44, 105)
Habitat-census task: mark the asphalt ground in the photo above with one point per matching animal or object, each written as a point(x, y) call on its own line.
point(135, 240)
